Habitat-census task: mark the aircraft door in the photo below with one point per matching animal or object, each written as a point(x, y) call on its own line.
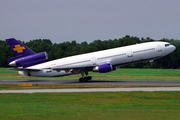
point(93, 59)
point(159, 50)
point(129, 56)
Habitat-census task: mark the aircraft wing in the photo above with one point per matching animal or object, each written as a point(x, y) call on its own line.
point(72, 67)
point(78, 66)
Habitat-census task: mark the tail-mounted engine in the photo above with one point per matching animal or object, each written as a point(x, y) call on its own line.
point(30, 60)
point(104, 68)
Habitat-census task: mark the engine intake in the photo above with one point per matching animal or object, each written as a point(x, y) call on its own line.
point(104, 68)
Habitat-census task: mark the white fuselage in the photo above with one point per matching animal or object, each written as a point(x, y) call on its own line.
point(117, 56)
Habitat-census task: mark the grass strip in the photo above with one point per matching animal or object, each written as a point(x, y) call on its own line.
point(63, 86)
point(98, 105)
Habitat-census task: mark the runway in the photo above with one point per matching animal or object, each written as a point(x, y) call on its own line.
point(149, 89)
point(95, 82)
point(98, 82)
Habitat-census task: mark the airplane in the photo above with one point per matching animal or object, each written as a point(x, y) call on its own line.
point(29, 63)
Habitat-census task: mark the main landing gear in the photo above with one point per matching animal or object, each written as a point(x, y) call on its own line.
point(84, 79)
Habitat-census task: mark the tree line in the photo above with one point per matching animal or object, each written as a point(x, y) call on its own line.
point(65, 49)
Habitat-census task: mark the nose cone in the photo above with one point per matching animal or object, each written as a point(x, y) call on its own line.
point(170, 49)
point(173, 48)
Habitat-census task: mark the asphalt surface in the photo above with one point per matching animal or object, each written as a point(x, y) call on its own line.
point(98, 82)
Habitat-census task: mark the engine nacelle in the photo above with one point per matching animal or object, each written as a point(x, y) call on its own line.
point(30, 60)
point(104, 68)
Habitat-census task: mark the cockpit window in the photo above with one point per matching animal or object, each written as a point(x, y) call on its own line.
point(166, 45)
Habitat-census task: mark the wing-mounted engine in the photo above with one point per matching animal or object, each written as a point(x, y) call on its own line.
point(30, 60)
point(104, 68)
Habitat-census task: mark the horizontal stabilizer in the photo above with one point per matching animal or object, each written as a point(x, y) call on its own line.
point(23, 69)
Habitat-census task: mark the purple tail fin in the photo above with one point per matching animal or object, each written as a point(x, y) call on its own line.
point(19, 49)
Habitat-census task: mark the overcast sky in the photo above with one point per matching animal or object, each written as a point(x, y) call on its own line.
point(89, 20)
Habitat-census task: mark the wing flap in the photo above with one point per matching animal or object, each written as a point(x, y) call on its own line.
point(72, 67)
